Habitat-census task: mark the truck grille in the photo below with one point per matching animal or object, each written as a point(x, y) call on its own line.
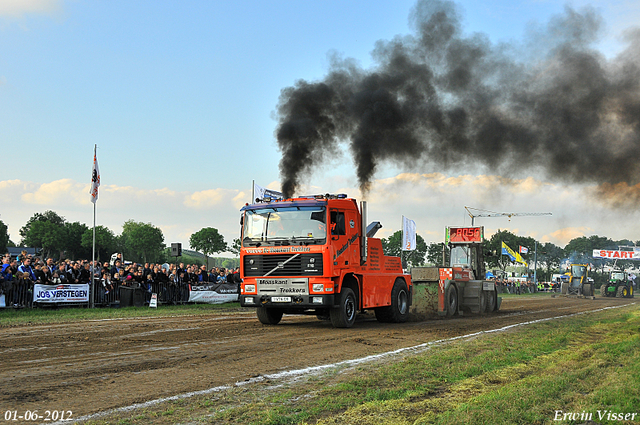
point(301, 265)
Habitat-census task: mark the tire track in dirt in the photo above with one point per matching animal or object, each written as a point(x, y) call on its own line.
point(95, 366)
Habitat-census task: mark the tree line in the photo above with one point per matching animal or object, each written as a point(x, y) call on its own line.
point(140, 242)
point(550, 256)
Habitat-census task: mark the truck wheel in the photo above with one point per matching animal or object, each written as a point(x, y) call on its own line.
point(491, 301)
point(619, 291)
point(587, 290)
point(344, 316)
point(269, 316)
point(398, 311)
point(630, 291)
point(451, 300)
point(625, 291)
point(603, 290)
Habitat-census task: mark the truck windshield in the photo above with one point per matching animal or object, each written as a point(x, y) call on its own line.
point(285, 226)
point(617, 275)
point(578, 271)
point(460, 256)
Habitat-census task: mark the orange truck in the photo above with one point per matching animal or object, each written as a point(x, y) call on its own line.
point(317, 255)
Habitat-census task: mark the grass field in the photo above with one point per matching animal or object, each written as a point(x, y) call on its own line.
point(565, 371)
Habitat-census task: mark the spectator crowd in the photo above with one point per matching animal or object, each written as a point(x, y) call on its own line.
point(170, 281)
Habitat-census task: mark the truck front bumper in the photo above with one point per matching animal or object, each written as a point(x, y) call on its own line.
point(296, 301)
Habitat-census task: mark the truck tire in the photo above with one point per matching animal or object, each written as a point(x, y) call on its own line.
point(491, 301)
point(623, 291)
point(587, 290)
point(603, 291)
point(269, 316)
point(451, 300)
point(398, 311)
point(344, 316)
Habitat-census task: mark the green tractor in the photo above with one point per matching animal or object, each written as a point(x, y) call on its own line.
point(619, 285)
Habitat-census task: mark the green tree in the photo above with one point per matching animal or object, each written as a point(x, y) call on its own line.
point(434, 254)
point(45, 230)
point(494, 248)
point(551, 256)
point(72, 240)
point(105, 242)
point(143, 242)
point(4, 237)
point(234, 248)
point(392, 246)
point(208, 241)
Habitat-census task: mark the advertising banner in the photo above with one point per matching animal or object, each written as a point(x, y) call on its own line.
point(67, 293)
point(408, 234)
point(214, 294)
point(616, 255)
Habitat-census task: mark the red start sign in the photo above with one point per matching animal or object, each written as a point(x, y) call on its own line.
point(464, 234)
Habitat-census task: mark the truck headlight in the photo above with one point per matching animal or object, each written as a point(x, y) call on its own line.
point(249, 288)
point(317, 300)
point(318, 287)
point(248, 300)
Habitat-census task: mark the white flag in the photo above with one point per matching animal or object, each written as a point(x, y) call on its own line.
point(408, 234)
point(95, 179)
point(260, 192)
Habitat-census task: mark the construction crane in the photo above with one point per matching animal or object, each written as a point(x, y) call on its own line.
point(497, 214)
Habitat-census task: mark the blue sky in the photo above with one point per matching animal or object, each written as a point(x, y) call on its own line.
point(180, 98)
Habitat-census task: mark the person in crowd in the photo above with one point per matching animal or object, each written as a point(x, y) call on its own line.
point(42, 274)
point(222, 277)
point(85, 273)
point(73, 273)
point(6, 279)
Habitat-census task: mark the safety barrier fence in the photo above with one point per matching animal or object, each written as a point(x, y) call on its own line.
point(26, 295)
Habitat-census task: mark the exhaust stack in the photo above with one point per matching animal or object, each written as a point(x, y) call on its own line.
point(363, 231)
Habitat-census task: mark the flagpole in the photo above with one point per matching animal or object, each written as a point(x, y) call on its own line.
point(93, 253)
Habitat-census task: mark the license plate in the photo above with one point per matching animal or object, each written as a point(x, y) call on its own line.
point(281, 299)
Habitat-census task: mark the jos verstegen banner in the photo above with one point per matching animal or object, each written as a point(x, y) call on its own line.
point(408, 234)
point(95, 179)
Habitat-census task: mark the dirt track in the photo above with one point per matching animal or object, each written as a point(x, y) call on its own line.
point(93, 366)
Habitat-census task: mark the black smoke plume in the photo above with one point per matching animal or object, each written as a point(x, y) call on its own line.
point(439, 98)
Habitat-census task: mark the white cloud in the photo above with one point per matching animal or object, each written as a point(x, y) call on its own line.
point(18, 8)
point(433, 200)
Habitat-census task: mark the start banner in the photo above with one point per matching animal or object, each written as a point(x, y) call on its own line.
point(618, 255)
point(214, 294)
point(67, 293)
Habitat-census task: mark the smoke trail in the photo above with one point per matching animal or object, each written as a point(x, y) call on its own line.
point(441, 99)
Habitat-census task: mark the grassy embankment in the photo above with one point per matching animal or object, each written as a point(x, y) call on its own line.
point(528, 375)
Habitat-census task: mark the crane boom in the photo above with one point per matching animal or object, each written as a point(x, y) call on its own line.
point(499, 214)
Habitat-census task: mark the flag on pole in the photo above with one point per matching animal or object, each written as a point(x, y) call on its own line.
point(260, 192)
point(95, 179)
point(524, 250)
point(514, 256)
point(408, 234)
